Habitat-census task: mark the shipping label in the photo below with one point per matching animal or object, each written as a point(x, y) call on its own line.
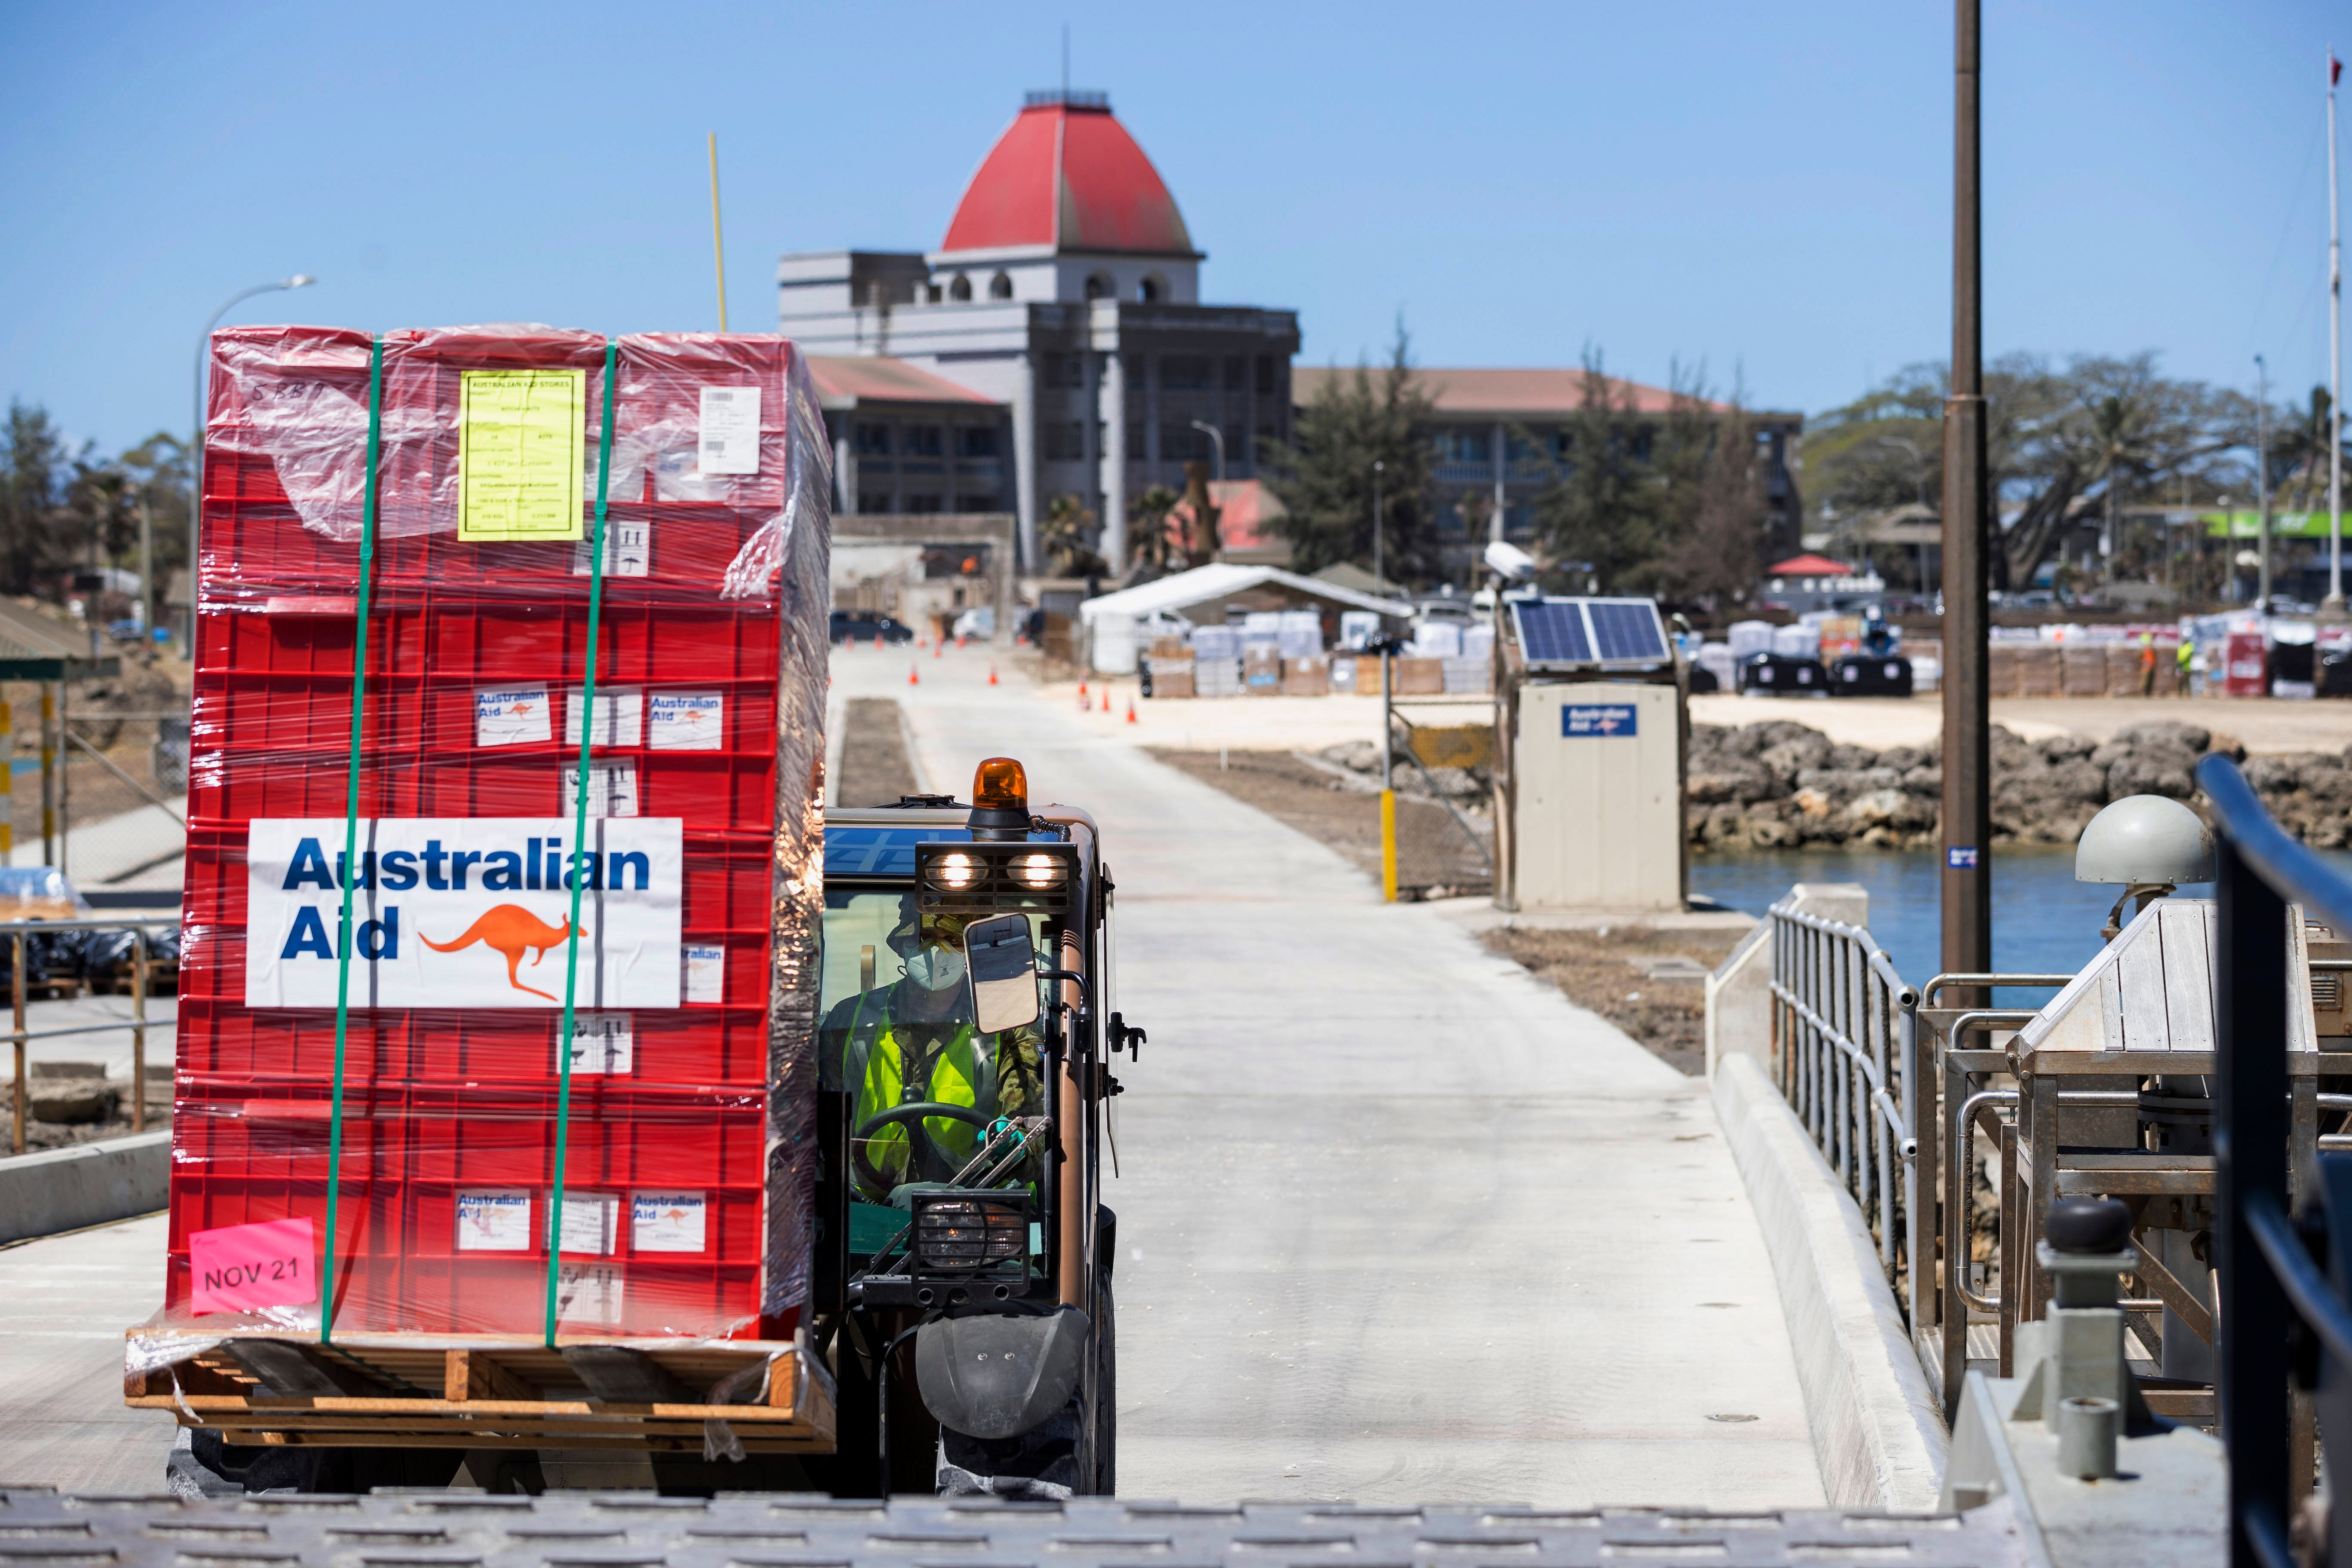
point(591, 1223)
point(665, 1222)
point(494, 1220)
point(620, 715)
point(521, 437)
point(705, 974)
point(464, 912)
point(730, 430)
point(245, 1268)
point(512, 716)
point(686, 721)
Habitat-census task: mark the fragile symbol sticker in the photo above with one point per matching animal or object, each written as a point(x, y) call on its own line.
point(665, 1222)
point(686, 721)
point(601, 1043)
point(496, 1220)
point(244, 1267)
point(1580, 719)
point(611, 788)
point(512, 716)
point(628, 551)
point(588, 1295)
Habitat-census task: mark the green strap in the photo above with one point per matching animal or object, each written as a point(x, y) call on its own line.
point(580, 839)
point(350, 848)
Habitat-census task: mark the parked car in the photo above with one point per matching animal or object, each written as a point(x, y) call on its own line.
point(864, 626)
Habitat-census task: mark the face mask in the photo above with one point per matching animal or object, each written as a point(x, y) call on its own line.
point(935, 968)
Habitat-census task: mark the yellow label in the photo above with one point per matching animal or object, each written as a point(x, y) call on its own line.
point(519, 438)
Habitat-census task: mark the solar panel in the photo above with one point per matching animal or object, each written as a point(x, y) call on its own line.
point(1627, 629)
point(1553, 631)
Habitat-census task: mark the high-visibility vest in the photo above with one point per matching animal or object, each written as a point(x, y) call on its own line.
point(958, 1073)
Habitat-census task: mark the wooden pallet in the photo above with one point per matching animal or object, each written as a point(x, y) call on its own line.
point(490, 1392)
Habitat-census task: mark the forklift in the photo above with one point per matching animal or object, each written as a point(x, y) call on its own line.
point(968, 1025)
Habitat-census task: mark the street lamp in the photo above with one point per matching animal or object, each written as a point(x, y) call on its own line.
point(1218, 436)
point(196, 447)
point(1379, 582)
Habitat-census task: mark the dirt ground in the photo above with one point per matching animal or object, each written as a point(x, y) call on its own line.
point(875, 769)
point(1434, 859)
point(1606, 970)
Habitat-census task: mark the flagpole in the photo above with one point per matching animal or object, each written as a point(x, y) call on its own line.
point(2334, 360)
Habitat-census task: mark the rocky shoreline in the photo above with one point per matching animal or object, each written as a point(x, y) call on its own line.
point(1779, 785)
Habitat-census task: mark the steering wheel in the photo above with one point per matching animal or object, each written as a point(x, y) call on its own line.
point(920, 1110)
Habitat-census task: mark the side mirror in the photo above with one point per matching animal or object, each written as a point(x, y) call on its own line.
point(998, 955)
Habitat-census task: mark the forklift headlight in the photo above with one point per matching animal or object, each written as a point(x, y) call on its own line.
point(968, 1232)
point(955, 872)
point(1040, 873)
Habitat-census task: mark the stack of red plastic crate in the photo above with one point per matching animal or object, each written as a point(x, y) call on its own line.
point(688, 1165)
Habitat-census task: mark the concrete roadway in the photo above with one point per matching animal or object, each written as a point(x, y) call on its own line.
point(1396, 1223)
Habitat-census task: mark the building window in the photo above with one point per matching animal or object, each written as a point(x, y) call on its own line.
point(1235, 368)
point(873, 441)
point(1179, 443)
point(1135, 440)
point(977, 503)
point(919, 441)
point(1184, 372)
point(873, 503)
point(1066, 441)
point(1098, 286)
point(932, 293)
point(1464, 447)
point(1265, 374)
point(923, 503)
point(1000, 287)
point(960, 289)
point(976, 441)
point(1150, 290)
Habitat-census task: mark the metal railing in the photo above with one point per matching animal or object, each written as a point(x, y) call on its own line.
point(2284, 1278)
point(1844, 1027)
point(20, 933)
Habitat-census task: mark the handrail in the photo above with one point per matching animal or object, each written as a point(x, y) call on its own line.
point(2291, 870)
point(1952, 978)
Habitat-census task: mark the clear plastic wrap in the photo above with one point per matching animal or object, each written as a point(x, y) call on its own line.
point(689, 1165)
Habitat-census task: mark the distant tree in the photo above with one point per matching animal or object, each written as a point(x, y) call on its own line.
point(1070, 538)
point(1606, 511)
point(158, 469)
point(1716, 507)
point(32, 493)
point(1324, 476)
point(1152, 551)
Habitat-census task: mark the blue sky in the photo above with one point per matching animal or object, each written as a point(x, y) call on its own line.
point(1762, 188)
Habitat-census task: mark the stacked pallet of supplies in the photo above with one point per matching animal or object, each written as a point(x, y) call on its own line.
point(683, 1103)
point(2083, 670)
point(2038, 669)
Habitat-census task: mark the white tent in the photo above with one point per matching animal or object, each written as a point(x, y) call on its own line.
point(1111, 620)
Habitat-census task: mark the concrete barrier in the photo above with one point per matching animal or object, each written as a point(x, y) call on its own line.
point(1876, 1432)
point(88, 1184)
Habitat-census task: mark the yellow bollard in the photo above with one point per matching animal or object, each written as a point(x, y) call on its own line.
point(1388, 845)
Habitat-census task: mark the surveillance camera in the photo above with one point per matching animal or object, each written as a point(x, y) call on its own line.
point(1509, 562)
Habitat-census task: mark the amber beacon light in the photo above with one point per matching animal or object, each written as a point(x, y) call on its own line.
point(1000, 800)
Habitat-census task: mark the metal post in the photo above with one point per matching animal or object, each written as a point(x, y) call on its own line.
point(2335, 362)
point(2263, 482)
point(48, 777)
point(1968, 757)
point(65, 782)
point(1388, 782)
point(147, 572)
point(1378, 579)
point(2251, 1316)
point(138, 1030)
point(16, 995)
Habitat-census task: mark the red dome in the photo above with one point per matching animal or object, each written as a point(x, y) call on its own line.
point(1066, 174)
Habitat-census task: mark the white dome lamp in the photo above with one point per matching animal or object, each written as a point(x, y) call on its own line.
point(2150, 843)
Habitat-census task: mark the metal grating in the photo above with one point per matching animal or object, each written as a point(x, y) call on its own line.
point(283, 1530)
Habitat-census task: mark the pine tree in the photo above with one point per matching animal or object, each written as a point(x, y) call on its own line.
point(1324, 476)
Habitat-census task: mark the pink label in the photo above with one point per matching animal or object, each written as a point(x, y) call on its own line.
point(239, 1268)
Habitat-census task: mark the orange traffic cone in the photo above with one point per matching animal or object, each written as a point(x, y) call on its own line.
point(1082, 691)
point(913, 679)
point(959, 640)
point(922, 642)
point(939, 650)
point(1106, 707)
point(992, 674)
point(877, 642)
point(1131, 709)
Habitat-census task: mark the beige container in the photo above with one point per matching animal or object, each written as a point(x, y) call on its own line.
point(1597, 817)
point(2083, 670)
point(1307, 676)
point(1345, 670)
point(1174, 683)
point(1421, 677)
point(2037, 670)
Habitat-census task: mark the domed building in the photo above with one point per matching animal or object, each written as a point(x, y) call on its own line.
point(1054, 343)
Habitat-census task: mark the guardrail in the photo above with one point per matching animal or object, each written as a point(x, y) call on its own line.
point(1845, 1033)
point(19, 933)
point(2284, 1276)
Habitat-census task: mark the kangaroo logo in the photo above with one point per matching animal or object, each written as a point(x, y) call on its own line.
point(510, 930)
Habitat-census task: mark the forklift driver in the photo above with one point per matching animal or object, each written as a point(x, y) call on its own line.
point(912, 1040)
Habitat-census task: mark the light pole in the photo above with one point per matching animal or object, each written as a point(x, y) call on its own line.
point(1217, 437)
point(2262, 483)
point(1379, 582)
point(2335, 363)
point(196, 446)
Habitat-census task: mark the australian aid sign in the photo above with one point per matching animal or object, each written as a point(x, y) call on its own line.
point(465, 911)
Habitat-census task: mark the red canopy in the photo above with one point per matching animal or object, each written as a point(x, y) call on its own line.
point(1808, 566)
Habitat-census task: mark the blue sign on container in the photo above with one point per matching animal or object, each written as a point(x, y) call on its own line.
point(1597, 718)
